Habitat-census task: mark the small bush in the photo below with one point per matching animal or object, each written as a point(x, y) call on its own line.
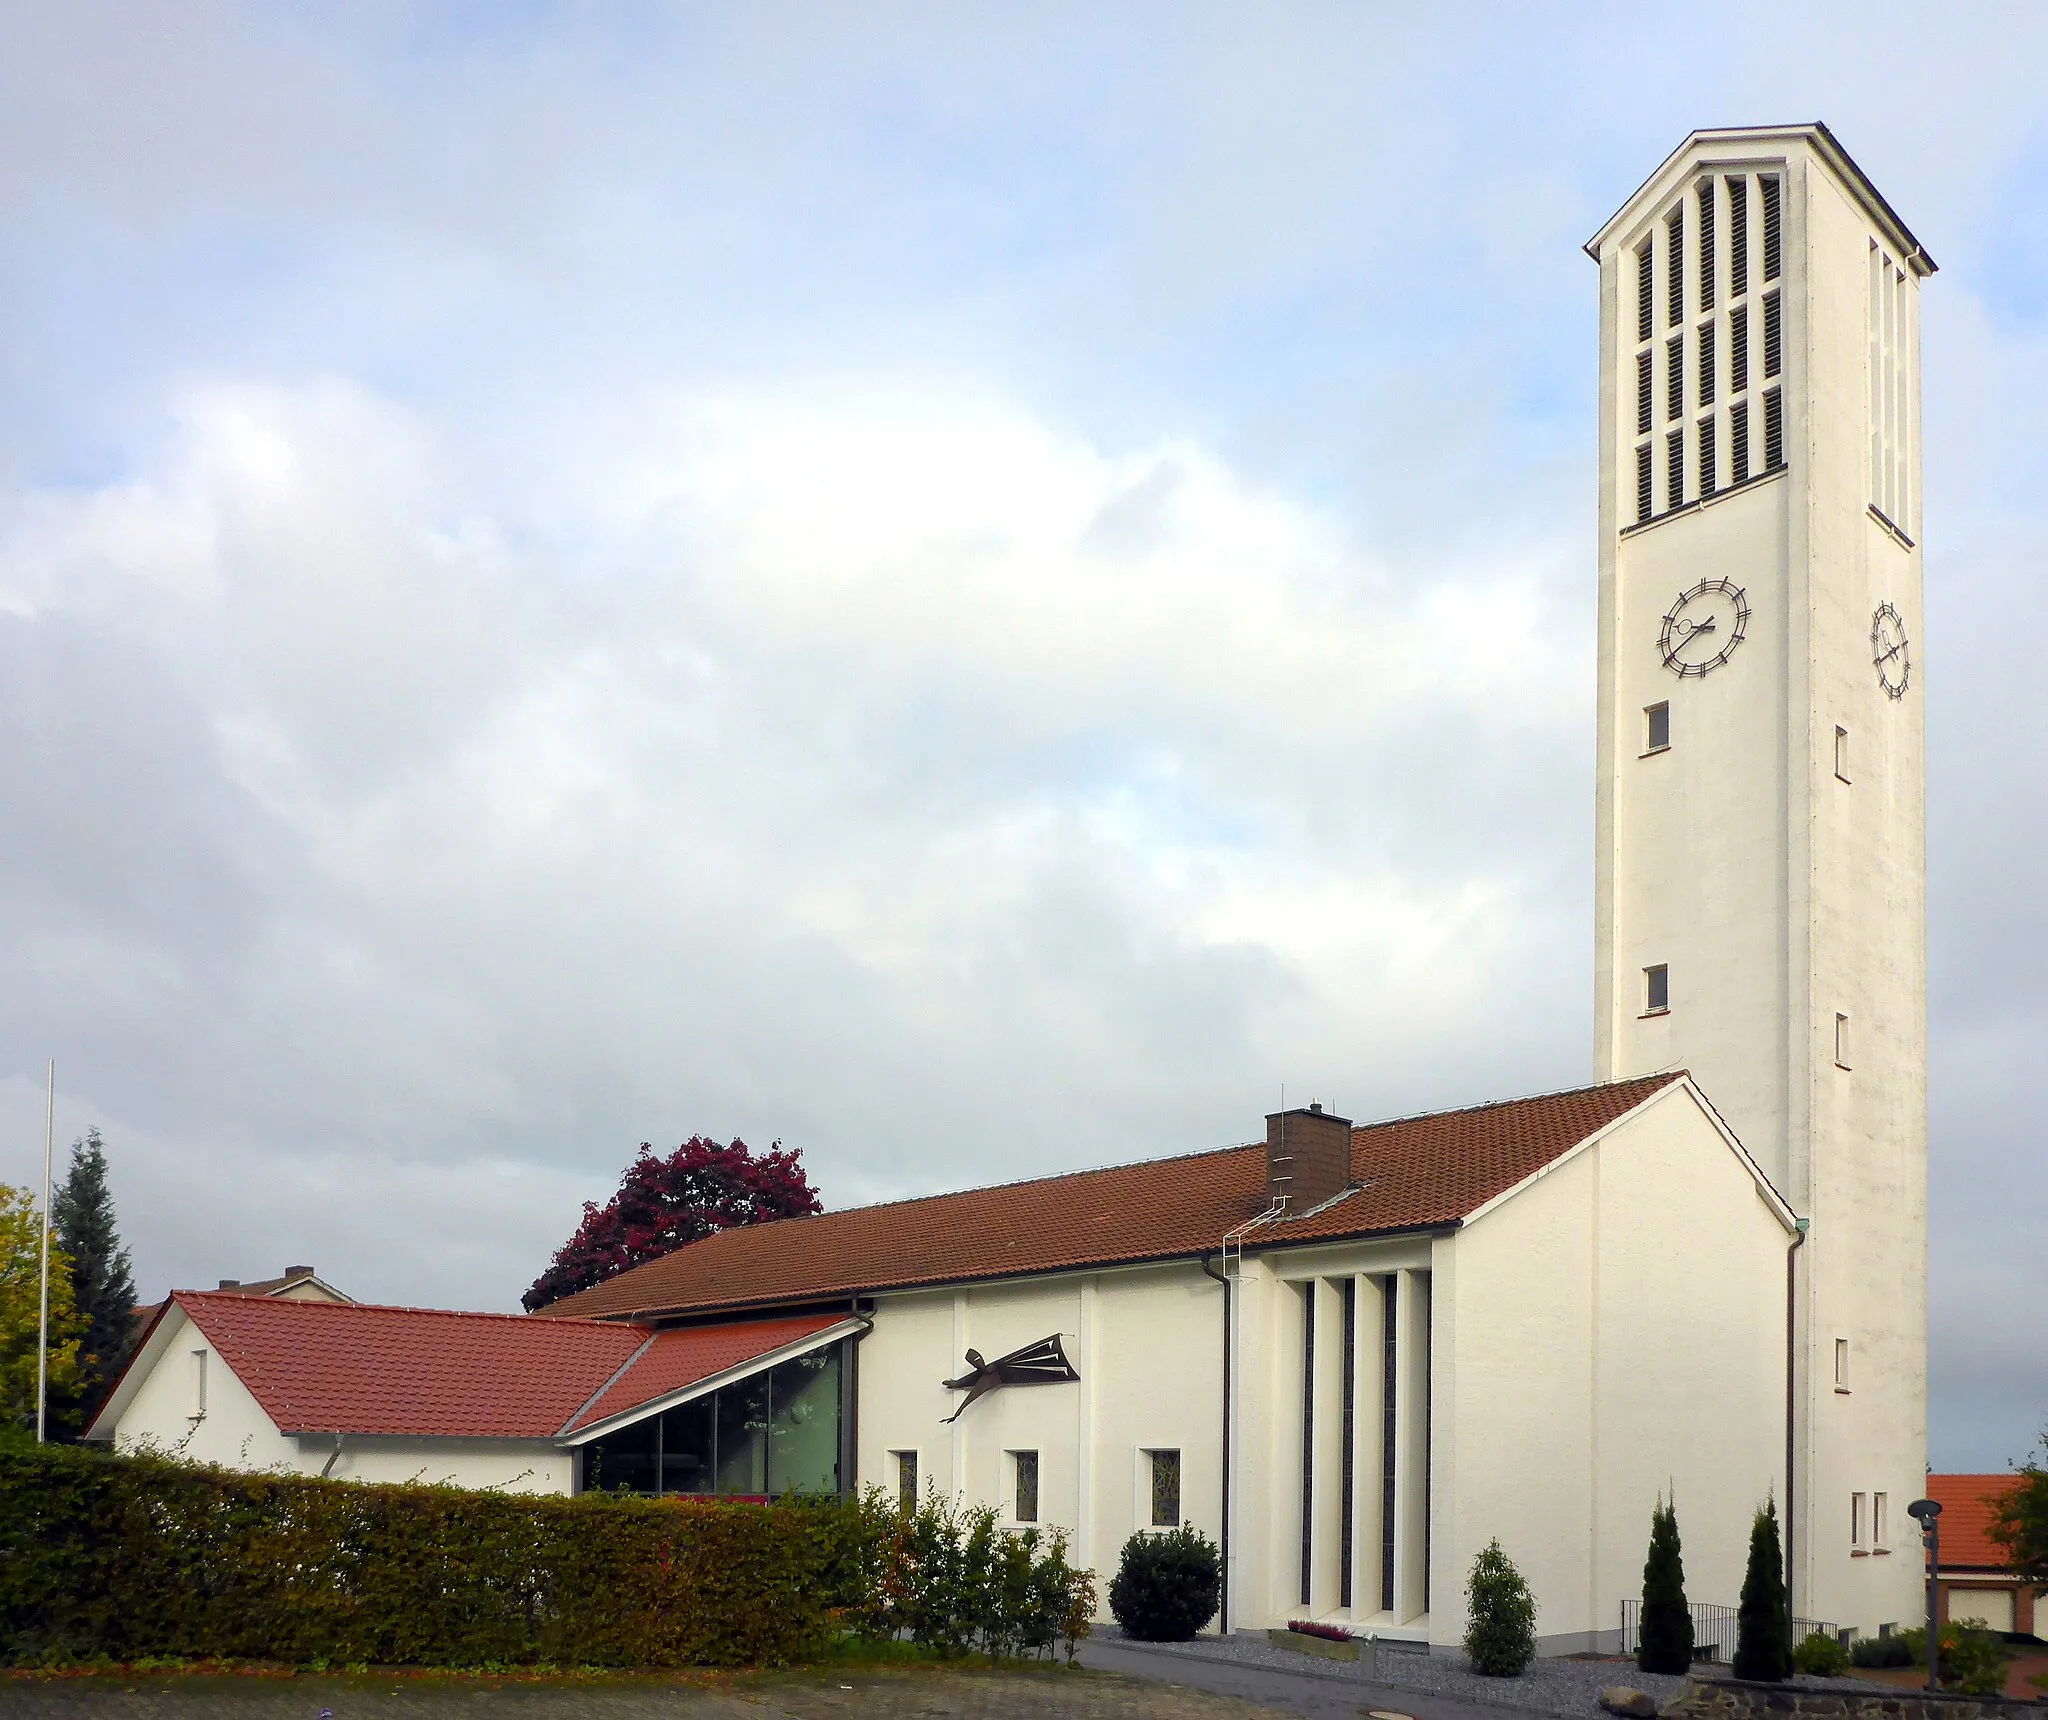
point(1880, 1651)
point(1973, 1660)
point(1500, 1629)
point(1820, 1655)
point(1167, 1586)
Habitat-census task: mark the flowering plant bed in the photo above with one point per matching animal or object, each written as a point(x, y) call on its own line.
point(1304, 1636)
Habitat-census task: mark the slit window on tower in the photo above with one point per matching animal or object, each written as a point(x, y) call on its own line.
point(1645, 394)
point(1674, 468)
point(1348, 1438)
point(1674, 266)
point(1389, 1362)
point(1738, 236)
point(1706, 456)
point(1645, 502)
point(1738, 441)
point(1773, 194)
point(1774, 336)
point(1707, 357)
point(1645, 293)
point(1308, 1438)
point(1674, 376)
point(1738, 349)
point(1774, 430)
point(1707, 226)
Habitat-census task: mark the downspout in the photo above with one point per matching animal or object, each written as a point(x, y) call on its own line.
point(1791, 1388)
point(1223, 1583)
point(334, 1457)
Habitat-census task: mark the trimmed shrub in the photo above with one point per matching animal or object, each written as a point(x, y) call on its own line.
point(133, 1558)
point(1500, 1628)
point(1167, 1586)
point(1820, 1655)
point(1664, 1641)
point(1880, 1651)
point(1763, 1622)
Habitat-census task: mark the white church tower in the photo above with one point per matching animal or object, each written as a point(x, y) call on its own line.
point(1761, 897)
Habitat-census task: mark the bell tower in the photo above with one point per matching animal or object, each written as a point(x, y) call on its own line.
point(1760, 892)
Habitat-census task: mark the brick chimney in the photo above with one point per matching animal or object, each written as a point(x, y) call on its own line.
point(1308, 1157)
point(298, 1272)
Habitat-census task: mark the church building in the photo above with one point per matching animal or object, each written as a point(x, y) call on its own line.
point(1354, 1355)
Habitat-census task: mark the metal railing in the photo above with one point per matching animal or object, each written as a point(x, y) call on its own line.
point(1713, 1630)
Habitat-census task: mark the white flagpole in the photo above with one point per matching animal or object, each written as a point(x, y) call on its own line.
point(43, 1347)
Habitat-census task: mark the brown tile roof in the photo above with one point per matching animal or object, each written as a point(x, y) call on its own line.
point(1965, 1516)
point(1417, 1172)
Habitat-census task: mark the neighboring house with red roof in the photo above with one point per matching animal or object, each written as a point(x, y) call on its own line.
point(1974, 1581)
point(1351, 1355)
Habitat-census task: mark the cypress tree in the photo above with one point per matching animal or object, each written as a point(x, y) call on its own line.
point(1763, 1624)
point(103, 1287)
point(1664, 1642)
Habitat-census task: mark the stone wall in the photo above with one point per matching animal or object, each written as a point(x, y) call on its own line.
point(1734, 1699)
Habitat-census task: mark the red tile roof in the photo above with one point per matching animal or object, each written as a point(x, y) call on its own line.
point(1417, 1172)
point(326, 1367)
point(1965, 1516)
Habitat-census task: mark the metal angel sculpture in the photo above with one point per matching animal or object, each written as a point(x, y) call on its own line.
point(1041, 1364)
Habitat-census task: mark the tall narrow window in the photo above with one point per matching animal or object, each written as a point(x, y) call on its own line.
point(1657, 989)
point(1347, 1535)
point(906, 1481)
point(1644, 393)
point(1165, 1478)
point(1706, 455)
point(1738, 441)
point(1841, 1042)
point(1856, 1521)
point(1024, 1490)
point(1657, 726)
point(198, 1385)
point(1674, 266)
point(1645, 504)
point(1774, 430)
point(1308, 1438)
point(1646, 313)
point(1841, 1364)
point(1674, 469)
point(1738, 349)
point(1390, 1357)
point(1738, 236)
point(1773, 194)
point(1774, 336)
point(1674, 376)
point(1707, 356)
point(1842, 754)
point(1707, 226)
point(1878, 1525)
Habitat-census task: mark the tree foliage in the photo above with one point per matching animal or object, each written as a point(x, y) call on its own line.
point(664, 1203)
point(2019, 1522)
point(1664, 1641)
point(21, 1266)
point(102, 1283)
point(1763, 1622)
point(1500, 1621)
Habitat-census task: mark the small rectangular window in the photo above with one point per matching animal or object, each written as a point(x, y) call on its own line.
point(1706, 191)
point(1738, 441)
point(1738, 236)
point(1656, 989)
point(1841, 1042)
point(1657, 726)
point(1645, 505)
point(1772, 188)
point(906, 1480)
point(1644, 393)
point(1024, 1492)
point(1674, 469)
point(1841, 1364)
point(1842, 754)
point(1164, 1467)
point(1706, 456)
point(1856, 1520)
point(1738, 349)
point(1878, 1523)
point(1774, 430)
point(1674, 377)
point(1645, 294)
point(1674, 266)
point(1774, 336)
point(1706, 346)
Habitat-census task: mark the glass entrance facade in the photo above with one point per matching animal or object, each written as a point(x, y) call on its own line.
point(774, 1432)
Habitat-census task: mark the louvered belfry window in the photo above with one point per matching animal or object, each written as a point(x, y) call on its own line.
point(1738, 441)
point(1674, 267)
point(1707, 227)
point(1774, 429)
point(1645, 502)
point(1674, 469)
point(1706, 456)
point(1706, 349)
point(1738, 349)
point(1645, 395)
point(1774, 337)
point(1738, 235)
point(1645, 294)
point(1773, 195)
point(1674, 377)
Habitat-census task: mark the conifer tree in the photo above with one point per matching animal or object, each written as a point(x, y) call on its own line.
point(102, 1283)
point(1500, 1612)
point(1664, 1641)
point(1763, 1623)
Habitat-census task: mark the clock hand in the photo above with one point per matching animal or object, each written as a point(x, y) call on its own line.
point(1893, 652)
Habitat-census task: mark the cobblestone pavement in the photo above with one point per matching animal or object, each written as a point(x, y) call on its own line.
point(910, 1692)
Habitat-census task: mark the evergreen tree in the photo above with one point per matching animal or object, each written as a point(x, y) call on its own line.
point(102, 1284)
point(1500, 1615)
point(1763, 1624)
point(1664, 1642)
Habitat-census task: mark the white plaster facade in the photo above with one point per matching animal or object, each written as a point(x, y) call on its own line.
point(1772, 857)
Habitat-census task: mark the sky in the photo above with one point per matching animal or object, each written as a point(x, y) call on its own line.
point(973, 590)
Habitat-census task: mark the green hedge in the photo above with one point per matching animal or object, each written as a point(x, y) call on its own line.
point(127, 1558)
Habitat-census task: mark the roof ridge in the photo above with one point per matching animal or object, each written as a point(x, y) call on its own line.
point(1662, 1078)
point(216, 1297)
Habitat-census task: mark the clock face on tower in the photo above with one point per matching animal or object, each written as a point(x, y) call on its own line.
point(1703, 627)
point(1888, 651)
